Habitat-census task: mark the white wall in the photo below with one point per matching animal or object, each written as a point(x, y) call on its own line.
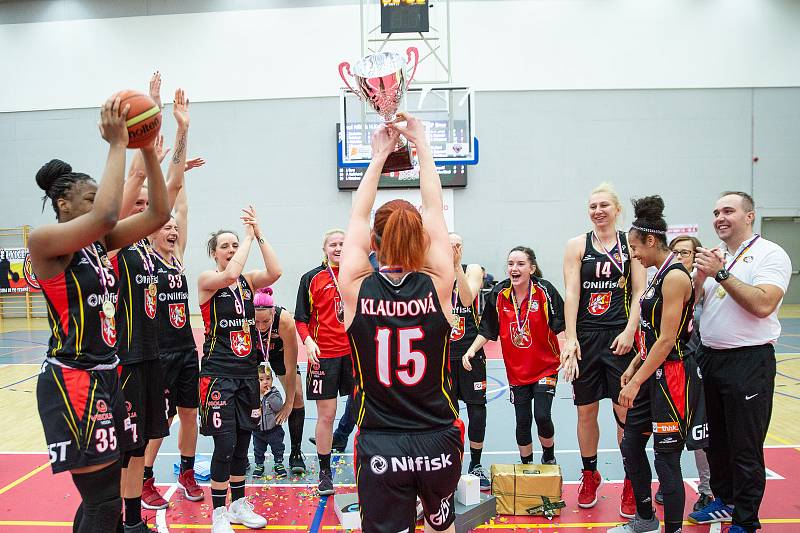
point(294, 52)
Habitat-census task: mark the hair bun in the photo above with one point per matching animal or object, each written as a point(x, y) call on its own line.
point(50, 172)
point(649, 207)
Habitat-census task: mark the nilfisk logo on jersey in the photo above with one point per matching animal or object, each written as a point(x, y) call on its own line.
point(421, 464)
point(235, 323)
point(378, 464)
point(605, 284)
point(419, 306)
point(173, 296)
point(146, 279)
point(95, 300)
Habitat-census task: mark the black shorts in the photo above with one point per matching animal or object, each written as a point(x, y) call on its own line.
point(469, 386)
point(600, 370)
point(181, 378)
point(278, 365)
point(142, 387)
point(671, 405)
point(331, 378)
point(394, 468)
point(524, 393)
point(229, 405)
point(82, 413)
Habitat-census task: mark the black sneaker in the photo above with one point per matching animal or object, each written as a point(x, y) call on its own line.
point(279, 470)
point(338, 447)
point(325, 486)
point(296, 463)
point(660, 497)
point(702, 501)
point(141, 527)
point(258, 471)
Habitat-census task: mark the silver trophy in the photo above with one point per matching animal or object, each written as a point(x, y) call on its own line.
point(381, 81)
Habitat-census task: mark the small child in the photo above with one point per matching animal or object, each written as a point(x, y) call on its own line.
point(269, 433)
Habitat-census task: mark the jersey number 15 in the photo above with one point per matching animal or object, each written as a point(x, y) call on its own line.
point(410, 366)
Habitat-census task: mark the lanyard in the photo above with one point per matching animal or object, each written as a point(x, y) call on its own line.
point(620, 265)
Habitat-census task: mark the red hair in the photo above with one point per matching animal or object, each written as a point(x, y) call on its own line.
point(400, 238)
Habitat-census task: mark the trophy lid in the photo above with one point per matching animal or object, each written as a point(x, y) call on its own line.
point(380, 64)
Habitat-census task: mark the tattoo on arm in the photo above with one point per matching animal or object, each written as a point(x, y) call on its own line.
point(177, 156)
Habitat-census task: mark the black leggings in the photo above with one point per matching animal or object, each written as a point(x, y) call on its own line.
point(101, 507)
point(230, 455)
point(477, 421)
point(670, 477)
point(539, 408)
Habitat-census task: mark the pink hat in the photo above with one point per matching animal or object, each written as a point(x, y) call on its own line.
point(263, 298)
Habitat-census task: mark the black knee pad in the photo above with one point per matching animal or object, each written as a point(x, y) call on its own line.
point(102, 505)
point(620, 423)
point(137, 452)
point(670, 478)
point(477, 421)
point(221, 458)
point(524, 418)
point(542, 413)
point(239, 460)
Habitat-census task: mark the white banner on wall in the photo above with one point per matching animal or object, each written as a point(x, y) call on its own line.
point(674, 230)
point(413, 196)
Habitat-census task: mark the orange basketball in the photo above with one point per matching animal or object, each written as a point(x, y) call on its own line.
point(144, 118)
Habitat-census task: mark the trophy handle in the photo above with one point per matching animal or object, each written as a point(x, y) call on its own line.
point(345, 66)
point(412, 51)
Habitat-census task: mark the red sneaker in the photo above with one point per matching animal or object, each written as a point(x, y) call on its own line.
point(627, 506)
point(151, 499)
point(587, 493)
point(191, 490)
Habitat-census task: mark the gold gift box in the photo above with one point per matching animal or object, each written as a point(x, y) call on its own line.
point(527, 489)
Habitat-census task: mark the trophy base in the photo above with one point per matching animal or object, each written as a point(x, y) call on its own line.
point(398, 160)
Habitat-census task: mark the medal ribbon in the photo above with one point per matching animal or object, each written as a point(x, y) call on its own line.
point(740, 254)
point(662, 268)
point(175, 263)
point(240, 300)
point(335, 281)
point(99, 268)
point(620, 265)
point(269, 339)
point(147, 260)
point(521, 327)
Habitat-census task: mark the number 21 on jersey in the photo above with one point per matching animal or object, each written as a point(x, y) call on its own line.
point(410, 365)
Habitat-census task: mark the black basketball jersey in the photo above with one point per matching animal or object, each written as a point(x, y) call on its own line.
point(652, 303)
point(137, 329)
point(399, 339)
point(605, 300)
point(464, 332)
point(272, 337)
point(228, 348)
point(81, 334)
point(174, 327)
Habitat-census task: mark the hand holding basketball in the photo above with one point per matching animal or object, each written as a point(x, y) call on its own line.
point(143, 119)
point(112, 121)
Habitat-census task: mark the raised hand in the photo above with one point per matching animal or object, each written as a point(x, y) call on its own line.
point(384, 141)
point(180, 109)
point(112, 121)
point(250, 220)
point(194, 163)
point(414, 130)
point(155, 88)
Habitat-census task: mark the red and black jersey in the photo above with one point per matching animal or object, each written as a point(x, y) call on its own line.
point(533, 353)
point(465, 331)
point(399, 339)
point(319, 312)
point(605, 300)
point(137, 329)
point(81, 335)
point(228, 349)
point(652, 304)
point(272, 337)
point(174, 327)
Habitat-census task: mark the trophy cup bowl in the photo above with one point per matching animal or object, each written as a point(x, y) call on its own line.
point(382, 80)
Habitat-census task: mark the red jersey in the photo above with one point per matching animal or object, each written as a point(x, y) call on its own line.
point(319, 312)
point(533, 353)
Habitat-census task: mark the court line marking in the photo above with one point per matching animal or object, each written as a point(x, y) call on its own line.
point(783, 441)
point(161, 514)
point(23, 478)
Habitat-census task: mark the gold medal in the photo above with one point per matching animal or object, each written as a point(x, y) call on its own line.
point(108, 309)
point(517, 340)
point(246, 327)
point(454, 320)
point(622, 282)
point(152, 289)
point(106, 261)
point(721, 292)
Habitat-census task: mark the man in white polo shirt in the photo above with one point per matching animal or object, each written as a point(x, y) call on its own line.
point(743, 282)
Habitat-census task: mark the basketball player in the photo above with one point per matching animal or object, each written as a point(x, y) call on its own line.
point(78, 391)
point(320, 322)
point(229, 391)
point(601, 282)
point(176, 344)
point(410, 441)
point(662, 388)
point(469, 386)
point(527, 313)
point(277, 344)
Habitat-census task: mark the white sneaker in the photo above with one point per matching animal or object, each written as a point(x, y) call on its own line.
point(241, 512)
point(220, 522)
